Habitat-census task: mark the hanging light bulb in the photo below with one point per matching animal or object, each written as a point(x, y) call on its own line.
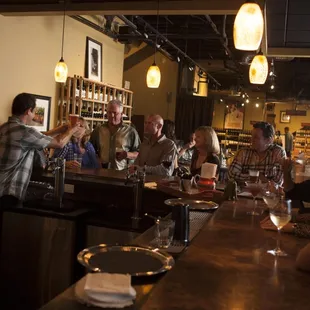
point(61, 69)
point(248, 27)
point(259, 69)
point(153, 75)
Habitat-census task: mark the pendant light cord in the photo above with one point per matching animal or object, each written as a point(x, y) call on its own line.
point(157, 31)
point(63, 31)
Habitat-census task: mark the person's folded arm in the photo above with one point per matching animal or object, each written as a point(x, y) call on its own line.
point(160, 169)
point(235, 169)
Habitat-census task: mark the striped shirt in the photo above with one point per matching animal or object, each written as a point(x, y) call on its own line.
point(18, 143)
point(247, 159)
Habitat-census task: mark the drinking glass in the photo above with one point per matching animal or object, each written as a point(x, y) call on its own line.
point(271, 195)
point(254, 189)
point(254, 176)
point(78, 158)
point(271, 173)
point(118, 151)
point(164, 231)
point(280, 215)
point(167, 161)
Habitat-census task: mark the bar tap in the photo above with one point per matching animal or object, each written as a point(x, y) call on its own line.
point(137, 178)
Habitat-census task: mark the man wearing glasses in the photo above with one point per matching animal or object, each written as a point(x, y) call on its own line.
point(263, 155)
point(115, 142)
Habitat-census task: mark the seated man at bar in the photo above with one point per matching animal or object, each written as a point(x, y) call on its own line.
point(114, 141)
point(157, 152)
point(263, 156)
point(18, 144)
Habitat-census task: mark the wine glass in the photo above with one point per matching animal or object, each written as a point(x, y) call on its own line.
point(254, 189)
point(271, 195)
point(280, 215)
point(167, 161)
point(271, 173)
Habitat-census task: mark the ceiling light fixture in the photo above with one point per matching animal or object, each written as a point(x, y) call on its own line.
point(257, 105)
point(248, 27)
point(61, 69)
point(247, 101)
point(272, 86)
point(153, 75)
point(259, 69)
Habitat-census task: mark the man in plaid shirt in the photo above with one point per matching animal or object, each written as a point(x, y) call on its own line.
point(263, 156)
point(18, 144)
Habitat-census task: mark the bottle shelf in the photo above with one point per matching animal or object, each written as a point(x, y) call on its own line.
point(86, 98)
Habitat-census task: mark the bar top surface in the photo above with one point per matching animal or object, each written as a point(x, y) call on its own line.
point(225, 267)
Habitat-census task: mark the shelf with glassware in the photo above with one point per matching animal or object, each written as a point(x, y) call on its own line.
point(89, 99)
point(302, 141)
point(233, 139)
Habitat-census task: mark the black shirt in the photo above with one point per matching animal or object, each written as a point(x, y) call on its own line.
point(211, 158)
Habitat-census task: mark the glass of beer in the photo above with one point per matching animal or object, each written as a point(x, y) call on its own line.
point(73, 118)
point(118, 152)
point(254, 176)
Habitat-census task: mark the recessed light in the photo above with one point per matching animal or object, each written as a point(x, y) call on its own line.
point(257, 105)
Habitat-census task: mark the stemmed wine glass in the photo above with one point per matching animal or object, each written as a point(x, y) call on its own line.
point(254, 189)
point(280, 215)
point(271, 195)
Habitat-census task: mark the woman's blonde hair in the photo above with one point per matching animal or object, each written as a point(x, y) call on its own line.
point(212, 142)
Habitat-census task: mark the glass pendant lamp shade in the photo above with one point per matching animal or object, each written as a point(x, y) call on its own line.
point(153, 76)
point(248, 27)
point(61, 71)
point(258, 70)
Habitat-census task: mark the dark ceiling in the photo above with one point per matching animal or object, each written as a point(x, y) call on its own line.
point(207, 39)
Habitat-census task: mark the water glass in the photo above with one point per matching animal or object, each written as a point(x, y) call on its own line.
point(164, 231)
point(78, 158)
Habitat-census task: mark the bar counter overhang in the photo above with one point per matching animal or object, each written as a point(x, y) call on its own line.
point(225, 267)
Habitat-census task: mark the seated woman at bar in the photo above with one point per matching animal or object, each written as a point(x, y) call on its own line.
point(79, 152)
point(294, 191)
point(207, 148)
point(263, 155)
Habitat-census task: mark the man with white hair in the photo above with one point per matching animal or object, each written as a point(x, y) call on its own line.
point(157, 152)
point(115, 142)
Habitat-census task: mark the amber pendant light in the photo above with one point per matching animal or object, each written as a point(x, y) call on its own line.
point(259, 69)
point(248, 27)
point(153, 75)
point(61, 69)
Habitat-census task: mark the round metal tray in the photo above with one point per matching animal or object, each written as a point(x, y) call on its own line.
point(133, 260)
point(197, 205)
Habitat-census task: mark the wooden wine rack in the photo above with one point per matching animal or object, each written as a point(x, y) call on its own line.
point(89, 99)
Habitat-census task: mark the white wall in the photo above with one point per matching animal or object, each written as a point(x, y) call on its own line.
point(30, 49)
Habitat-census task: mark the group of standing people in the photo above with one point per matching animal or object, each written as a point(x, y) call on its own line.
point(112, 145)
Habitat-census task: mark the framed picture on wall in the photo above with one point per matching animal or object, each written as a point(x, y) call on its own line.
point(284, 118)
point(93, 61)
point(234, 116)
point(41, 120)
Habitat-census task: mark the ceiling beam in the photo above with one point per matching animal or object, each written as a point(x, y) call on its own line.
point(108, 7)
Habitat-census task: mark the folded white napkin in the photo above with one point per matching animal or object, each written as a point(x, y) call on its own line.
point(105, 290)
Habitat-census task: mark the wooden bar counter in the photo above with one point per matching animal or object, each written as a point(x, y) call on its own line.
point(225, 267)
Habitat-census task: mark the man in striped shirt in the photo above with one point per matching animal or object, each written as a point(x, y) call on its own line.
point(18, 144)
point(263, 156)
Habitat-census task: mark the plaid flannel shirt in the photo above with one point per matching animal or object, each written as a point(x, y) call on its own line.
point(18, 143)
point(247, 159)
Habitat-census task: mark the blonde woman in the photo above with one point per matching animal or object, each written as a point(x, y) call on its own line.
point(79, 147)
point(207, 148)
